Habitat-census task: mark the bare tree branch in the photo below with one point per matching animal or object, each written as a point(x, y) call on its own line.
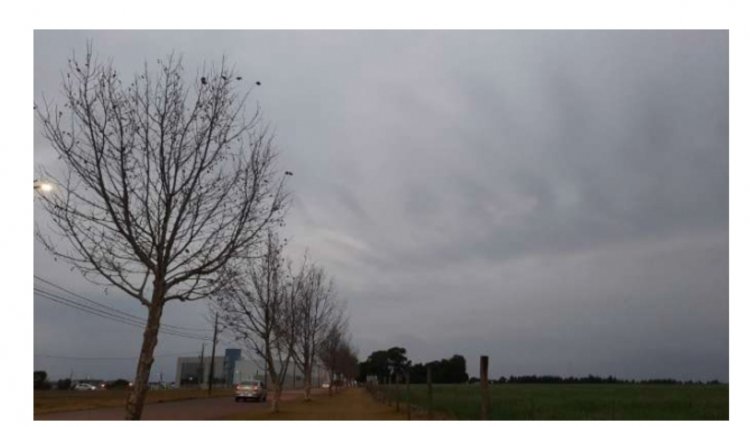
point(166, 183)
point(316, 307)
point(257, 305)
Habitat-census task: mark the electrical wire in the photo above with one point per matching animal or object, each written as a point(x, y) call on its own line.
point(108, 315)
point(49, 356)
point(107, 307)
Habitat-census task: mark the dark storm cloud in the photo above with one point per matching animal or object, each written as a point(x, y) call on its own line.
point(557, 200)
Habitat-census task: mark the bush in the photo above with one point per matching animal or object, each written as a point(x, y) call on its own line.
point(40, 381)
point(118, 383)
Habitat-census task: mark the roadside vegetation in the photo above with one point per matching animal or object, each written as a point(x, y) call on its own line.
point(168, 189)
point(49, 401)
point(572, 401)
point(395, 380)
point(348, 404)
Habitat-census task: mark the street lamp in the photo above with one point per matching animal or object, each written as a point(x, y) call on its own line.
point(43, 186)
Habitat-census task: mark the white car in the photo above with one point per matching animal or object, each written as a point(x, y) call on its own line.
point(250, 390)
point(84, 387)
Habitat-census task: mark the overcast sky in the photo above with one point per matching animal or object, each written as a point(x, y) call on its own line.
point(555, 200)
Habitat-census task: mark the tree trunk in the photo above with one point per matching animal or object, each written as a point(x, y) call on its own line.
point(308, 382)
point(137, 396)
point(330, 383)
point(274, 377)
point(276, 399)
point(276, 391)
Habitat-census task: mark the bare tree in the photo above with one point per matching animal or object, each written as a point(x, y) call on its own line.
point(347, 363)
point(165, 181)
point(257, 306)
point(330, 347)
point(315, 306)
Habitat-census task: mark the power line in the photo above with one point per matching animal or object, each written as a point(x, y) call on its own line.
point(100, 313)
point(108, 315)
point(82, 307)
point(107, 307)
point(62, 288)
point(48, 356)
point(110, 310)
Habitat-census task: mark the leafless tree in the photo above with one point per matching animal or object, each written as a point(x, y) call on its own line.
point(347, 363)
point(315, 306)
point(257, 306)
point(164, 182)
point(331, 345)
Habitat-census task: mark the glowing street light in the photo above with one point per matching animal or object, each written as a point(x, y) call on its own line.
point(43, 186)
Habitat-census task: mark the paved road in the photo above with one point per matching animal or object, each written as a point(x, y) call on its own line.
point(214, 408)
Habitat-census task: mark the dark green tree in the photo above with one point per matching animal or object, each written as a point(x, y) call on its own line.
point(40, 380)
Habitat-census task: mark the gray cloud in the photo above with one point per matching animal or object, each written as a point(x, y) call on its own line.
point(557, 200)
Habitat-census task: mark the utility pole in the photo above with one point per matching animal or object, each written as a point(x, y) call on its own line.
point(202, 370)
point(484, 387)
point(213, 354)
point(429, 392)
point(408, 396)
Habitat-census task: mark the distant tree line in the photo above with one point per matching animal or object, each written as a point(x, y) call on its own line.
point(444, 371)
point(392, 365)
point(386, 365)
point(589, 379)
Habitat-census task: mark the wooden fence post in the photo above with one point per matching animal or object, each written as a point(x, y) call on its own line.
point(398, 395)
point(484, 384)
point(408, 398)
point(429, 392)
point(388, 391)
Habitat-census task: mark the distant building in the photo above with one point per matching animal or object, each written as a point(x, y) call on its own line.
point(246, 370)
point(231, 369)
point(190, 371)
point(231, 357)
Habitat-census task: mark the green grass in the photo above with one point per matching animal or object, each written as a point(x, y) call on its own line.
point(578, 401)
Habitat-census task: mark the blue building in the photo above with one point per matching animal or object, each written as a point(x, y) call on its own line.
point(231, 357)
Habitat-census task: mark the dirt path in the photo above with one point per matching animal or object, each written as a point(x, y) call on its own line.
point(350, 404)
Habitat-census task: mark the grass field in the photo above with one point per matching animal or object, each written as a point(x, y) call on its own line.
point(578, 401)
point(58, 401)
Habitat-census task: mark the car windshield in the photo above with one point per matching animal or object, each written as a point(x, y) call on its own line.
point(250, 383)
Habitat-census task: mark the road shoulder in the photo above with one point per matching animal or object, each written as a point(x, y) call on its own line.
point(349, 404)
